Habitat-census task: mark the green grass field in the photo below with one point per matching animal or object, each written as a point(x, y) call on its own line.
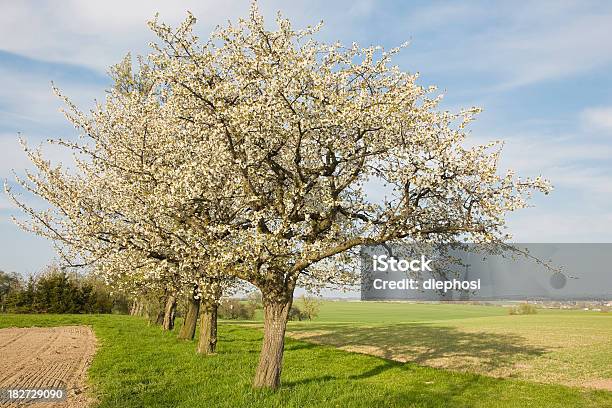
point(399, 312)
point(554, 346)
point(138, 365)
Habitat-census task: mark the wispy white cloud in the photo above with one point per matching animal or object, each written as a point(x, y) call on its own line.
point(548, 51)
point(515, 46)
point(5, 204)
point(501, 45)
point(598, 118)
point(361, 8)
point(540, 224)
point(27, 99)
point(573, 162)
point(97, 34)
point(15, 159)
point(550, 40)
point(535, 152)
point(13, 156)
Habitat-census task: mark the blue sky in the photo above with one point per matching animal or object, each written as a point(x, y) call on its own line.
point(541, 70)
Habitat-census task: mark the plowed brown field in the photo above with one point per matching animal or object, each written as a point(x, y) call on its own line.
point(49, 357)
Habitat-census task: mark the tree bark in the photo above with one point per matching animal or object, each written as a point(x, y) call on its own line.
point(191, 319)
point(160, 315)
point(140, 308)
point(169, 312)
point(270, 365)
point(208, 327)
point(134, 308)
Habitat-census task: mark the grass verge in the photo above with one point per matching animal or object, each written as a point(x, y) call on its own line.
point(138, 365)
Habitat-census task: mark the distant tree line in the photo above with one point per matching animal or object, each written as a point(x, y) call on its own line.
point(307, 308)
point(56, 291)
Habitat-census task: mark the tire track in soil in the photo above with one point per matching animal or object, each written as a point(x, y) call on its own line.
point(46, 358)
point(28, 345)
point(12, 338)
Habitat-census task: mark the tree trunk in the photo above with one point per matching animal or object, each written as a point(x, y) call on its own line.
point(169, 312)
point(271, 357)
point(208, 327)
point(140, 308)
point(191, 319)
point(137, 307)
point(134, 308)
point(160, 316)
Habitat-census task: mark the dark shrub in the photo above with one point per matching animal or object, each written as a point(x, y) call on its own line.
point(235, 309)
point(523, 309)
point(295, 313)
point(56, 291)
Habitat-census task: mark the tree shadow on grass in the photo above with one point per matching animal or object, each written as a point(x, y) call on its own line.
point(411, 343)
point(397, 378)
point(380, 382)
point(436, 346)
point(299, 346)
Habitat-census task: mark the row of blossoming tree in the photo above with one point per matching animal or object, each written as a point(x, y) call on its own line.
point(262, 157)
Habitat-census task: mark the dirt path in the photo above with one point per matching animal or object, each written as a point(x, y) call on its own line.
point(47, 357)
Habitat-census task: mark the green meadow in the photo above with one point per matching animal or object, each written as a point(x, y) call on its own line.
point(359, 355)
point(569, 347)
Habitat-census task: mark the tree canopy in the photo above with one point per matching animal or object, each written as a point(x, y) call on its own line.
point(269, 157)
